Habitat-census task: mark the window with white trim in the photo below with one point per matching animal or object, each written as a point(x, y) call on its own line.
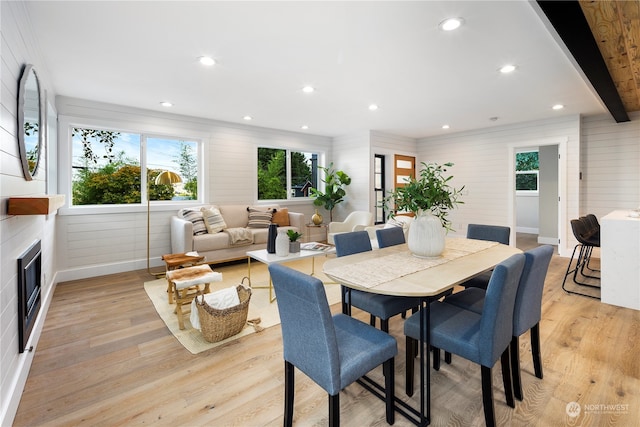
point(527, 166)
point(109, 167)
point(286, 174)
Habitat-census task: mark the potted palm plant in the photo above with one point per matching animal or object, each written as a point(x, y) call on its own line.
point(429, 197)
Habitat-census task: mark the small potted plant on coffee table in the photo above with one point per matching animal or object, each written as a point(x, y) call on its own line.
point(294, 245)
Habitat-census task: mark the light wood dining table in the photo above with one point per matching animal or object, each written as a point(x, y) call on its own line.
point(395, 271)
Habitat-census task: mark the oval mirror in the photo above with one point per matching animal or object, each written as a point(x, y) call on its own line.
point(30, 128)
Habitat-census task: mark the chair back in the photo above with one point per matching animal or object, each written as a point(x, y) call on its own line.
point(363, 218)
point(352, 243)
point(581, 232)
point(493, 233)
point(390, 236)
point(496, 324)
point(308, 335)
point(527, 311)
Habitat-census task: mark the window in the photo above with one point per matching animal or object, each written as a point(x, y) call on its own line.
point(108, 167)
point(285, 174)
point(378, 188)
point(527, 171)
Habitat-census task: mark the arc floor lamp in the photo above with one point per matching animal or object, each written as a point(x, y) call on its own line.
point(163, 178)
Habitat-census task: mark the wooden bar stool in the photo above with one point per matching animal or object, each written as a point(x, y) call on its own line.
point(184, 284)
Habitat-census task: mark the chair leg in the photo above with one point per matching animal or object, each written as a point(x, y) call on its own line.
point(436, 358)
point(288, 393)
point(334, 410)
point(505, 361)
point(447, 357)
point(487, 397)
point(384, 325)
point(535, 349)
point(515, 368)
point(410, 349)
point(372, 320)
point(389, 386)
point(575, 273)
point(346, 299)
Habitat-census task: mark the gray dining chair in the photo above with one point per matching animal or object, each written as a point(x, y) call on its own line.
point(334, 351)
point(492, 233)
point(378, 306)
point(481, 338)
point(389, 236)
point(527, 311)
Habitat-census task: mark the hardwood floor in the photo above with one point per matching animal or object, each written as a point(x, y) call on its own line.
point(105, 358)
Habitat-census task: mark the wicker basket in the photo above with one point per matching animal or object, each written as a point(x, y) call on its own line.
point(217, 325)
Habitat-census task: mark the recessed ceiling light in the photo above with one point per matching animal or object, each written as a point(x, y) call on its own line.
point(308, 89)
point(558, 107)
point(304, 127)
point(445, 126)
point(373, 107)
point(451, 24)
point(166, 104)
point(509, 68)
point(207, 60)
point(247, 118)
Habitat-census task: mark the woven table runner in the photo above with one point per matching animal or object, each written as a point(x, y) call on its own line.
point(373, 272)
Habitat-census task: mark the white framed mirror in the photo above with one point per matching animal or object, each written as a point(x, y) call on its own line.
point(30, 130)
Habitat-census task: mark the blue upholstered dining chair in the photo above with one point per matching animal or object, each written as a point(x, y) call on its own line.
point(527, 311)
point(389, 236)
point(381, 306)
point(492, 233)
point(481, 338)
point(334, 351)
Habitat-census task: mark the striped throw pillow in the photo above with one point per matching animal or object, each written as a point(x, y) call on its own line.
point(259, 218)
point(195, 216)
point(213, 220)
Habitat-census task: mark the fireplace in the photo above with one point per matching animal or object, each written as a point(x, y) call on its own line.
point(29, 286)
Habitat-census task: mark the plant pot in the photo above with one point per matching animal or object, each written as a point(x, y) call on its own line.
point(294, 247)
point(426, 235)
point(316, 218)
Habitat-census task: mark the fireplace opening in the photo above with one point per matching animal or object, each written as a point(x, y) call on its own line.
point(29, 286)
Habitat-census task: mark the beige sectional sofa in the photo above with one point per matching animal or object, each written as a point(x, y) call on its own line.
point(237, 236)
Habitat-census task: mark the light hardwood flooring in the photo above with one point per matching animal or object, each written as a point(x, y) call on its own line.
point(105, 358)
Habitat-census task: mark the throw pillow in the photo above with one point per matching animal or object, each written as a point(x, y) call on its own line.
point(195, 216)
point(281, 217)
point(259, 218)
point(213, 220)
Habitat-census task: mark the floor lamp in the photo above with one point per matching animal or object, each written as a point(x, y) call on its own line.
point(163, 178)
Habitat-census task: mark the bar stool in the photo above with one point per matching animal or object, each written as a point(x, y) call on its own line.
point(184, 284)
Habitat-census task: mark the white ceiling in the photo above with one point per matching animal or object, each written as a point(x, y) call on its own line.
point(354, 53)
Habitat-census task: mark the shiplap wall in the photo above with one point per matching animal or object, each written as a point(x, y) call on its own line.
point(351, 154)
point(17, 233)
point(107, 240)
point(481, 164)
point(610, 165)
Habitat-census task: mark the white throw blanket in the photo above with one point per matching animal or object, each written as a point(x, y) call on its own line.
point(239, 236)
point(224, 298)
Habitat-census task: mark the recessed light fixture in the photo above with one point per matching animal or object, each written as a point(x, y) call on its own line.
point(451, 24)
point(558, 107)
point(207, 60)
point(166, 104)
point(247, 118)
point(493, 119)
point(308, 89)
point(304, 127)
point(445, 126)
point(373, 107)
point(509, 68)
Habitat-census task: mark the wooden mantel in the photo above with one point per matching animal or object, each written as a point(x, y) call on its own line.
point(35, 205)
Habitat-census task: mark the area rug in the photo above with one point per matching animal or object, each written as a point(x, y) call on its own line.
point(259, 307)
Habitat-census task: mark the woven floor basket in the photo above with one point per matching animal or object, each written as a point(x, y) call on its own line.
point(217, 325)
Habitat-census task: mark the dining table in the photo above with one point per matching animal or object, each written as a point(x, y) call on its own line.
point(394, 270)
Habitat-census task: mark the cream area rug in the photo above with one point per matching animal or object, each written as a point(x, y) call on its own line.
point(259, 306)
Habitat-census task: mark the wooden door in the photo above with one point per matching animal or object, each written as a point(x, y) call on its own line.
point(403, 168)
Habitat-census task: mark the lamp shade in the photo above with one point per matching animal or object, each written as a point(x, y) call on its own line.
point(167, 177)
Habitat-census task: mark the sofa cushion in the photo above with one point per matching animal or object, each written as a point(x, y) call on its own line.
point(211, 242)
point(281, 217)
point(234, 215)
point(195, 216)
point(259, 217)
point(213, 220)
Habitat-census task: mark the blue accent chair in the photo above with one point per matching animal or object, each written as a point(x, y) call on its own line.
point(334, 351)
point(492, 233)
point(481, 338)
point(390, 236)
point(527, 312)
point(379, 306)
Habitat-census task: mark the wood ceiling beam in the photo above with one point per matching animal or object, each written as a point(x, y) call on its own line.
point(571, 25)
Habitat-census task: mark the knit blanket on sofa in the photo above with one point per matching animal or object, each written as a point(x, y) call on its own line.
point(239, 236)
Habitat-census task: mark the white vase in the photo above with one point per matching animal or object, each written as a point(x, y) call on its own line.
point(282, 243)
point(426, 235)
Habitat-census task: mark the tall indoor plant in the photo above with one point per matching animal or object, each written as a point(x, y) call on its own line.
point(430, 197)
point(334, 192)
